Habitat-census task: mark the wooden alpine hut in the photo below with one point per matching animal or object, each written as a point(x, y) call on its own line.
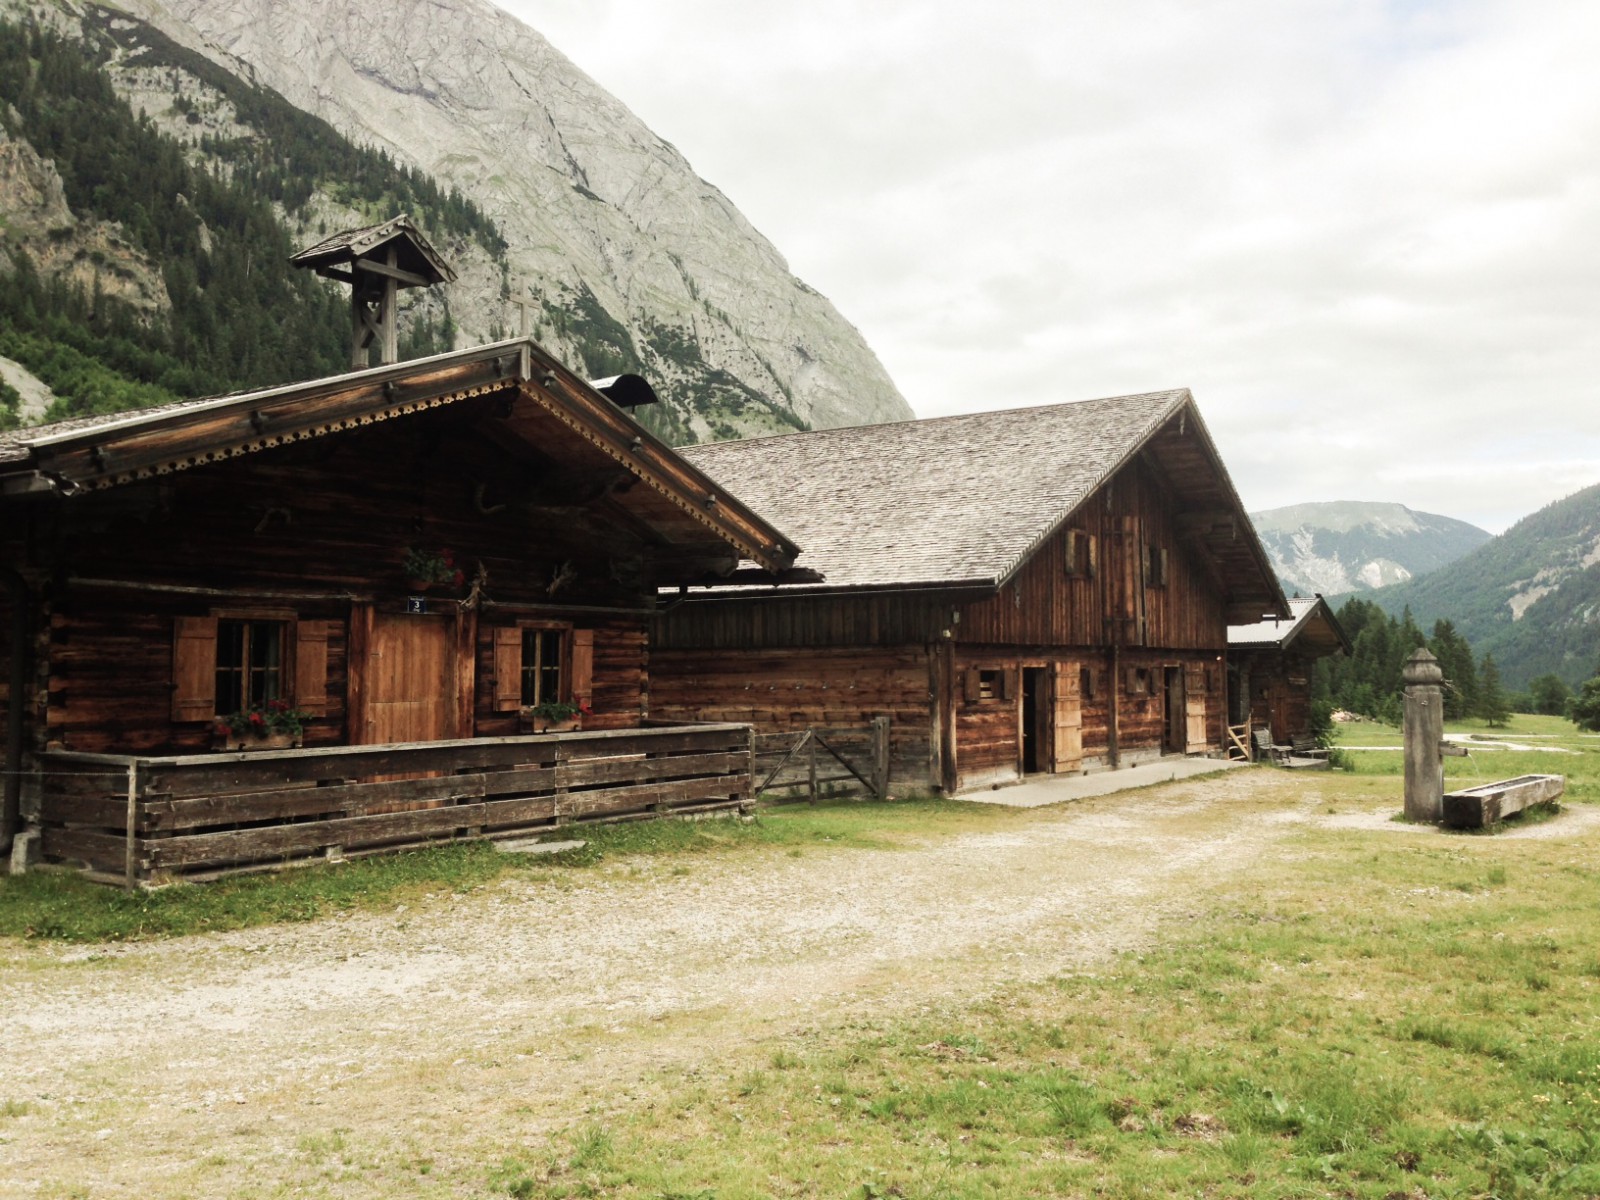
point(1270, 663)
point(403, 573)
point(1037, 590)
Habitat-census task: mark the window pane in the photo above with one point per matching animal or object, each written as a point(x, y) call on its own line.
point(550, 665)
point(265, 645)
point(530, 666)
point(230, 667)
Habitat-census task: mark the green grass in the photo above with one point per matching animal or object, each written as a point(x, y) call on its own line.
point(1484, 763)
point(63, 906)
point(1319, 1031)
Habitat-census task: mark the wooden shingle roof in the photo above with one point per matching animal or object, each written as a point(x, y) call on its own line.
point(1310, 625)
point(964, 501)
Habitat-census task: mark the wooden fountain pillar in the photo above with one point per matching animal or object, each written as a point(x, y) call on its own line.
point(1424, 737)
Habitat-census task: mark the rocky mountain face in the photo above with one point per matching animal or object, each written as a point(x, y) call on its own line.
point(625, 258)
point(1350, 546)
point(630, 259)
point(1530, 596)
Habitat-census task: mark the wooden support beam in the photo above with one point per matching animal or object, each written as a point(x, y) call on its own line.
point(389, 271)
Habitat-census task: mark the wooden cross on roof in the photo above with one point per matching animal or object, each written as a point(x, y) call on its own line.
point(376, 261)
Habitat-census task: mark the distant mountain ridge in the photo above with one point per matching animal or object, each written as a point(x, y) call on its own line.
point(1530, 596)
point(1341, 546)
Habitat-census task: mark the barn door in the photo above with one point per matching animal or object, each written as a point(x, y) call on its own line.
point(410, 685)
point(1068, 718)
point(1195, 703)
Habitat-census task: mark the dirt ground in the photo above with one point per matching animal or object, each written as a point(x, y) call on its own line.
point(237, 1064)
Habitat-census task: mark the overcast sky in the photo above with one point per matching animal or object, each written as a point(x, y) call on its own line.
point(1366, 234)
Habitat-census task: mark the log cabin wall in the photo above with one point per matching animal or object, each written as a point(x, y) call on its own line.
point(315, 533)
point(1280, 695)
point(777, 690)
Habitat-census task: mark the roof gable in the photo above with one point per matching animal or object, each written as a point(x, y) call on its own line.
point(1310, 625)
point(965, 501)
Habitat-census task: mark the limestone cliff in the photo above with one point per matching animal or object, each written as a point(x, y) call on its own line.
point(630, 257)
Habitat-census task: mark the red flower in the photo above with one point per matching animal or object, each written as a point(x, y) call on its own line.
point(585, 708)
point(449, 557)
point(457, 579)
point(257, 719)
point(278, 705)
point(221, 729)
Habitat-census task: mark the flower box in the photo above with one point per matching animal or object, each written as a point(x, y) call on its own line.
point(528, 722)
point(279, 739)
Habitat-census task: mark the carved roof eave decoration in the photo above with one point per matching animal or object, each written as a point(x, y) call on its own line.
point(602, 424)
point(141, 448)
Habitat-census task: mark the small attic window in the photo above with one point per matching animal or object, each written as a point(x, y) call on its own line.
point(1155, 566)
point(1081, 554)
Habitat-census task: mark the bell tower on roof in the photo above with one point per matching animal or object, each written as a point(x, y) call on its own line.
point(376, 261)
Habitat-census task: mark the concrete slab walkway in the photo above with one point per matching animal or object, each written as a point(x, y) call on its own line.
point(1039, 790)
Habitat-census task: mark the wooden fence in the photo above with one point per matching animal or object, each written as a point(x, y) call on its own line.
point(138, 818)
point(810, 763)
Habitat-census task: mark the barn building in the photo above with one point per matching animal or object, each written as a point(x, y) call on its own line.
point(1037, 590)
point(413, 559)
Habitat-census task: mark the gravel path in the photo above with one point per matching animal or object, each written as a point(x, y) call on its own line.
point(206, 1065)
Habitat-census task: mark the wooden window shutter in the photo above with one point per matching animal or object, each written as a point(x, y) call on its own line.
point(974, 686)
point(1091, 566)
point(1074, 552)
point(507, 669)
point(582, 666)
point(194, 669)
point(1008, 684)
point(311, 666)
point(1161, 567)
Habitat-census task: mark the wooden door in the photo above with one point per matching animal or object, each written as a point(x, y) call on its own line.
point(409, 677)
point(1195, 692)
point(1068, 718)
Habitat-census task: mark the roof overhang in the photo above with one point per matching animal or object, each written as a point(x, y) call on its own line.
point(535, 389)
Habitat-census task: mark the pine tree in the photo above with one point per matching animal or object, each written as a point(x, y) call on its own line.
point(1492, 705)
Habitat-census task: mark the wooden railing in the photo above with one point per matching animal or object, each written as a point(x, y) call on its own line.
point(137, 818)
point(809, 763)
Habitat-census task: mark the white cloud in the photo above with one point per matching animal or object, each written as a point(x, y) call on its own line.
point(1365, 233)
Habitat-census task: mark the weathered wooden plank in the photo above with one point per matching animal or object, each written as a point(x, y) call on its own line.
point(104, 810)
point(103, 850)
point(667, 795)
point(247, 845)
point(593, 772)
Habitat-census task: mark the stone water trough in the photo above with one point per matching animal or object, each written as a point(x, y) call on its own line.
point(1476, 807)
